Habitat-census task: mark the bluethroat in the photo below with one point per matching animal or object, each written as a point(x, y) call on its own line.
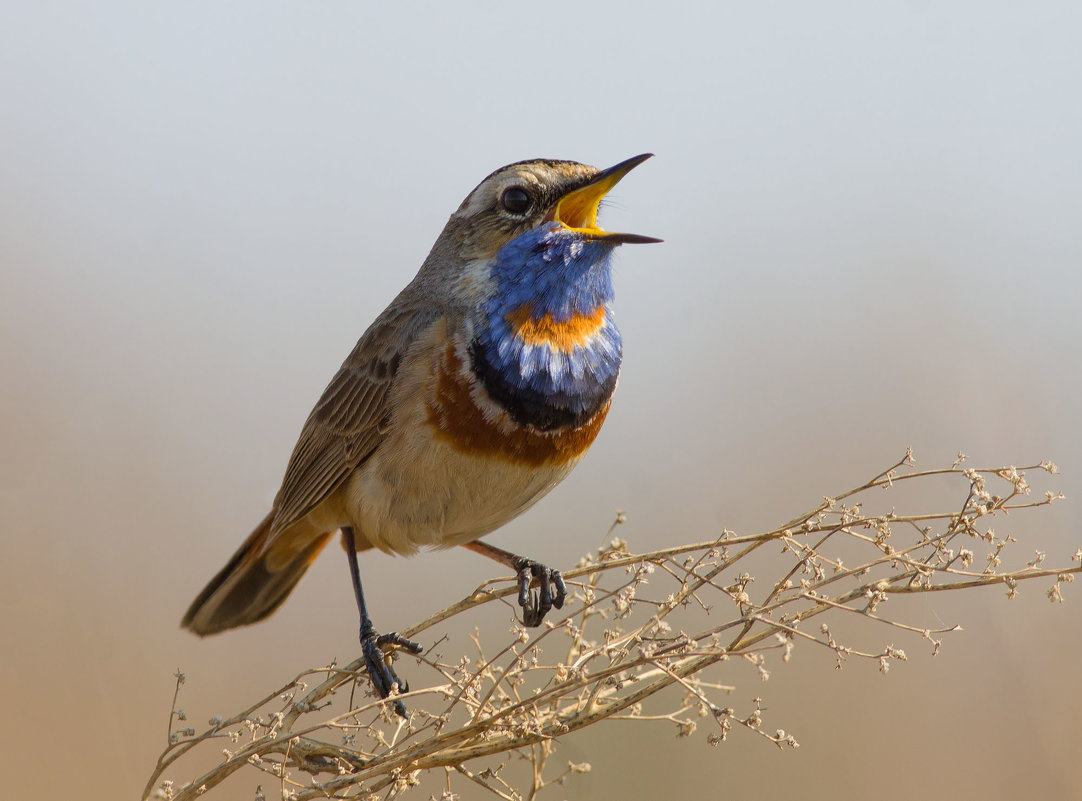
point(468, 399)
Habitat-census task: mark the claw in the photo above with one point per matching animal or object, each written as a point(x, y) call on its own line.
point(379, 668)
point(535, 605)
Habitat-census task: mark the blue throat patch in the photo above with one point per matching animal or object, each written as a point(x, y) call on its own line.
point(559, 283)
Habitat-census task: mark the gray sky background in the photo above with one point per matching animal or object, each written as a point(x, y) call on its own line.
point(872, 241)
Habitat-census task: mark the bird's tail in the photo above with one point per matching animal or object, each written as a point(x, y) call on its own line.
point(256, 580)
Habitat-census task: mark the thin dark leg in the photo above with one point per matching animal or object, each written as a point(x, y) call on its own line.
point(372, 644)
point(534, 605)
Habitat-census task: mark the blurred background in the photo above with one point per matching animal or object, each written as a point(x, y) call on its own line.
point(871, 216)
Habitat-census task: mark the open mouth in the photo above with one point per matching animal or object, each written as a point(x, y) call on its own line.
point(577, 210)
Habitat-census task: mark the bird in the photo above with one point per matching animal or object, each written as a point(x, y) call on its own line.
point(471, 396)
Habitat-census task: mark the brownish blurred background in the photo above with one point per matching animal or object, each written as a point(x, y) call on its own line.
point(871, 217)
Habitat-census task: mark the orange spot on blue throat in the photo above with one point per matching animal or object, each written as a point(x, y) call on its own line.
point(566, 335)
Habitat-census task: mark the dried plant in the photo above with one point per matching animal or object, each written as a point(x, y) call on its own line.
point(645, 637)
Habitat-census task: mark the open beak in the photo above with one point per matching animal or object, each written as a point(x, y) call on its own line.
point(577, 209)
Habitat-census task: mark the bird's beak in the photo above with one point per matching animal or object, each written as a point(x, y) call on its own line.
point(577, 209)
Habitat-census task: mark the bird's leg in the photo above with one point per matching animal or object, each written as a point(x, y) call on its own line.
point(372, 644)
point(534, 605)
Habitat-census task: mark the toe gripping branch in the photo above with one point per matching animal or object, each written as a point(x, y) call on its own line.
point(535, 605)
point(377, 661)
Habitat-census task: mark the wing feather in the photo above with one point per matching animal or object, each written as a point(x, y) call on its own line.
point(345, 425)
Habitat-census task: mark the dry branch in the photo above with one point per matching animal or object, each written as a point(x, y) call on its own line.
point(637, 625)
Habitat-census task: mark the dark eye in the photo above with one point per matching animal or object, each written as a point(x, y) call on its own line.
point(516, 200)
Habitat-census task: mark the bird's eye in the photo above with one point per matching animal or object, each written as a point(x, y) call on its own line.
point(516, 200)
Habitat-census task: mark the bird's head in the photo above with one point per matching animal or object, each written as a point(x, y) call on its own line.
point(524, 196)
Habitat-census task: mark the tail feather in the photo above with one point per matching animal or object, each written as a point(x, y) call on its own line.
point(247, 589)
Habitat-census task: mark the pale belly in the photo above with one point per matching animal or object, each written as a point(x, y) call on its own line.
point(417, 491)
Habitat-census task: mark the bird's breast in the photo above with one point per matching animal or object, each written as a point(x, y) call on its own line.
point(484, 425)
point(477, 410)
point(454, 465)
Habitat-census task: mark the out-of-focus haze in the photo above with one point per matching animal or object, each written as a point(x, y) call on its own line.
point(872, 217)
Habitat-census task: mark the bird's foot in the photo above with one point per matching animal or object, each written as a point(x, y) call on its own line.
point(376, 661)
point(535, 605)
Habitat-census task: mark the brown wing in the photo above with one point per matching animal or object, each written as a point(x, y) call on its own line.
point(346, 425)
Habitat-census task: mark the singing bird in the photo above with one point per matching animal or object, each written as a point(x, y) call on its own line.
point(472, 395)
